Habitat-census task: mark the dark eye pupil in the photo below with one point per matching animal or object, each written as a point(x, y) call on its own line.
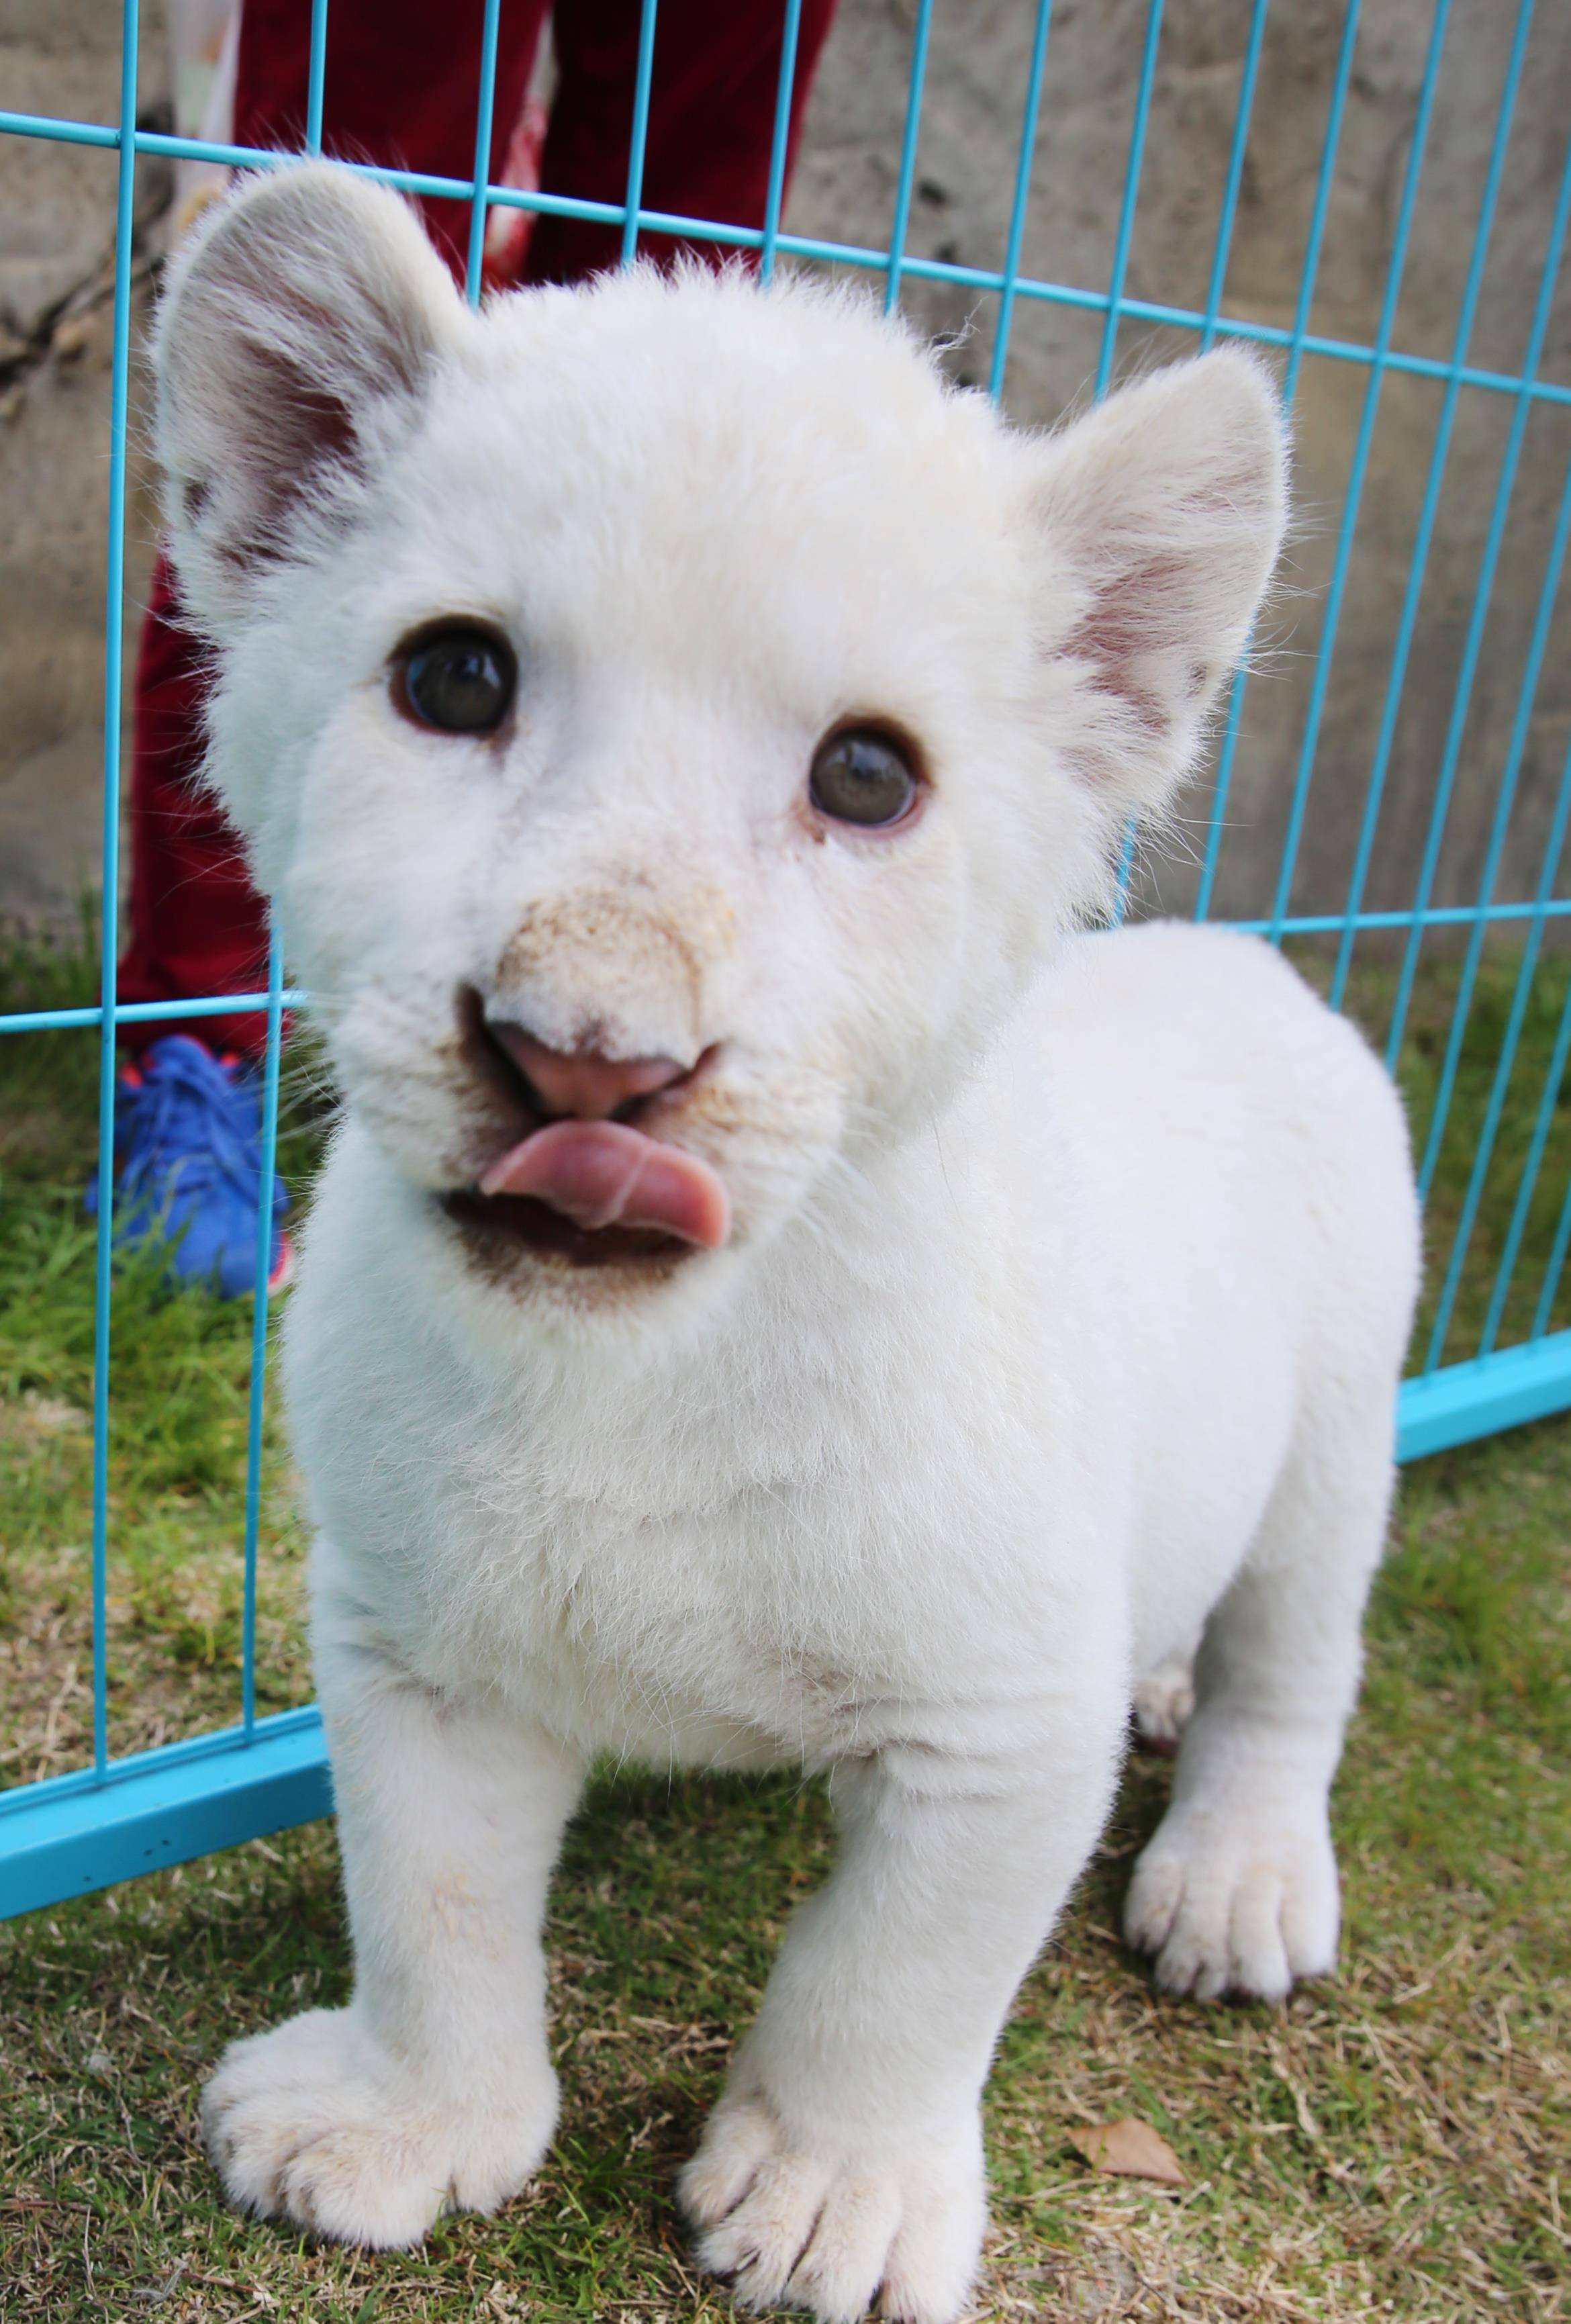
point(461, 681)
point(862, 777)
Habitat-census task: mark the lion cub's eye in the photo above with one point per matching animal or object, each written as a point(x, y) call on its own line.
point(461, 679)
point(863, 775)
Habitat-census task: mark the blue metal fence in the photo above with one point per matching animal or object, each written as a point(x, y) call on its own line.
point(123, 1815)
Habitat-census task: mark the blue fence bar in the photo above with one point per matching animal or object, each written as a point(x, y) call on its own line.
point(1332, 614)
point(1418, 563)
point(1126, 235)
point(774, 199)
point(260, 1289)
point(1489, 1130)
point(484, 110)
point(639, 141)
point(1532, 1164)
point(900, 224)
point(118, 1816)
point(1482, 596)
point(813, 247)
point(114, 591)
point(1010, 280)
point(316, 76)
point(1308, 279)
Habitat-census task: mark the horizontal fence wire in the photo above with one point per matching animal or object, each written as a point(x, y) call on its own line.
point(860, 255)
point(1529, 1376)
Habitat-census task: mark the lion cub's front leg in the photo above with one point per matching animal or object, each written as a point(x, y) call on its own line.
point(434, 2087)
point(844, 2161)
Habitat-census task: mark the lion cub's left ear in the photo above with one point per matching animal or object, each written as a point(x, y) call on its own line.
point(1156, 520)
point(299, 334)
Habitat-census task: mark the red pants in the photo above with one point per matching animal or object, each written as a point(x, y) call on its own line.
point(400, 88)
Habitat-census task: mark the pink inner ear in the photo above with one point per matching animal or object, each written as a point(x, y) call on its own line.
point(311, 302)
point(1129, 627)
point(303, 429)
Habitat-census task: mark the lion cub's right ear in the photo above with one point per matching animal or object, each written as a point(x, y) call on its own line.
point(295, 343)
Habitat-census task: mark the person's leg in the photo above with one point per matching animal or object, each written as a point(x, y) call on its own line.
point(711, 120)
point(399, 91)
point(197, 925)
point(403, 90)
point(400, 86)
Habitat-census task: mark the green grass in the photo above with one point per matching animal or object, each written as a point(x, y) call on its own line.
point(1394, 2143)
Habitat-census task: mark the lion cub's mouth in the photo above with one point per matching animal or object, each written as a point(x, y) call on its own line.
point(597, 1193)
point(499, 1222)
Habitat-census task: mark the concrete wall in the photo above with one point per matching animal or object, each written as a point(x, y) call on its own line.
point(55, 223)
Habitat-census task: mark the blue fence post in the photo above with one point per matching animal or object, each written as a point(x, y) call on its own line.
point(900, 224)
point(1483, 591)
point(115, 592)
point(780, 142)
point(1417, 563)
point(639, 141)
point(479, 192)
point(1025, 155)
point(1332, 615)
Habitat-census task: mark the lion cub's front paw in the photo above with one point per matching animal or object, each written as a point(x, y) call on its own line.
point(831, 2227)
point(1230, 1904)
point(316, 2123)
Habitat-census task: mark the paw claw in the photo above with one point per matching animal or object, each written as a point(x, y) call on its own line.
point(314, 2122)
point(830, 2229)
point(1228, 1909)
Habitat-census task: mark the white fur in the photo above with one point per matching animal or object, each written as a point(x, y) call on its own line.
point(1071, 1274)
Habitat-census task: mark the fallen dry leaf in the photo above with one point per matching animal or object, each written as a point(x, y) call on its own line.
point(1129, 2150)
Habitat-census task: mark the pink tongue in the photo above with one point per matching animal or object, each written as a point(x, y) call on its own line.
point(603, 1173)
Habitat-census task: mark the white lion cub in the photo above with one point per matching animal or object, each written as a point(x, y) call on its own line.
point(779, 1294)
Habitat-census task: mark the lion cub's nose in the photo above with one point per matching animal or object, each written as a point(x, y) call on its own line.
point(583, 1084)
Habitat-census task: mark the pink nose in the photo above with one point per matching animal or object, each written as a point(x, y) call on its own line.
point(586, 1086)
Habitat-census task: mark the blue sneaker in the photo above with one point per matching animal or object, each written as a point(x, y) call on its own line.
point(188, 1144)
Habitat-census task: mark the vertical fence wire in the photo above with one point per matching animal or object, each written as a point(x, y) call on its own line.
point(638, 143)
point(272, 1057)
point(1025, 157)
point(1308, 278)
point(254, 1441)
point(1505, 798)
point(113, 589)
point(1555, 1266)
point(1127, 207)
point(1105, 353)
point(910, 138)
point(1222, 249)
point(485, 108)
point(1221, 252)
point(316, 74)
point(1533, 1160)
point(1419, 562)
point(1505, 1063)
point(780, 144)
point(1330, 619)
point(1483, 591)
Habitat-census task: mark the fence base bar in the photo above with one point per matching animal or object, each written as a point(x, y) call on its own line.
point(72, 1833)
point(65, 1836)
point(1474, 1400)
